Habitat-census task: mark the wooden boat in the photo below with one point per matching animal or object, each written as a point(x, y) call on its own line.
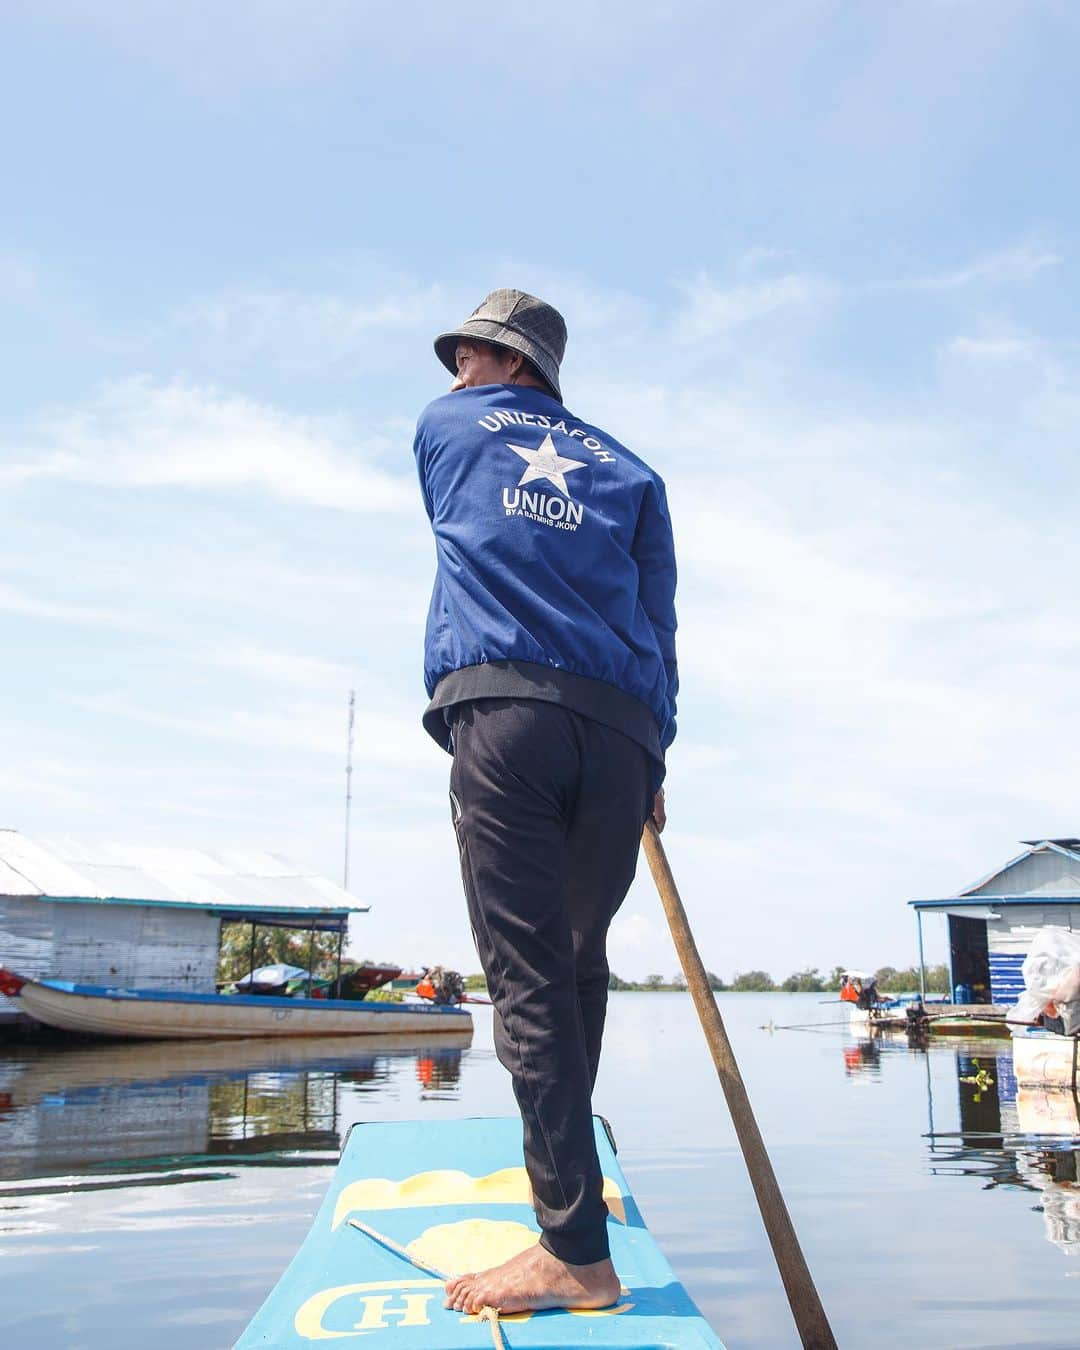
point(454, 1193)
point(945, 1019)
point(153, 1014)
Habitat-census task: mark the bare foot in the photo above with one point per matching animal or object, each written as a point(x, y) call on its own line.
point(455, 1283)
point(532, 1280)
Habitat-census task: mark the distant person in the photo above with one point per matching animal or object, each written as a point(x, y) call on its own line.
point(550, 664)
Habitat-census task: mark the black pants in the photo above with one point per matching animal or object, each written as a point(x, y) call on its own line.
point(549, 807)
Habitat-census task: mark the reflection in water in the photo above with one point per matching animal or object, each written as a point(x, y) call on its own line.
point(984, 1082)
point(863, 1059)
point(1057, 1174)
point(1014, 1138)
point(1019, 1139)
point(159, 1106)
point(438, 1074)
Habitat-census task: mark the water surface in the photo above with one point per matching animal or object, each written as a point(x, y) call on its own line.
point(159, 1189)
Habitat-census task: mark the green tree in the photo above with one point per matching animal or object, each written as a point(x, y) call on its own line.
point(654, 981)
point(476, 983)
point(272, 945)
point(753, 981)
point(937, 979)
point(715, 982)
point(897, 981)
point(806, 981)
point(906, 981)
point(835, 978)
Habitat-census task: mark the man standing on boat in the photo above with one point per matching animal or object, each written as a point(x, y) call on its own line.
point(550, 664)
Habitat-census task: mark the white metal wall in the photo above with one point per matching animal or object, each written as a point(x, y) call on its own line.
point(171, 954)
point(1045, 873)
point(26, 941)
point(137, 946)
point(1018, 924)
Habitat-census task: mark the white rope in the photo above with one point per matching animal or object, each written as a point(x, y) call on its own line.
point(486, 1314)
point(491, 1316)
point(398, 1250)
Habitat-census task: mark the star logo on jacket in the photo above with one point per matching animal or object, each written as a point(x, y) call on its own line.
point(546, 463)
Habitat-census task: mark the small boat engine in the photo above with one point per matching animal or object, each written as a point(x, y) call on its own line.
point(447, 985)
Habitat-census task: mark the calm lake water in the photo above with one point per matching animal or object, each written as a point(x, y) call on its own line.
point(151, 1194)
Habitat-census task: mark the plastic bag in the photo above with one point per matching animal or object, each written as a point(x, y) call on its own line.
point(1051, 972)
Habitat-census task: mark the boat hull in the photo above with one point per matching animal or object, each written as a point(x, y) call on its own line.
point(957, 1021)
point(456, 1194)
point(152, 1015)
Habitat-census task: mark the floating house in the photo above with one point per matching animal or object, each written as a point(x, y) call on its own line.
point(146, 918)
point(991, 923)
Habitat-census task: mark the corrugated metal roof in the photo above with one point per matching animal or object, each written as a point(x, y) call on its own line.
point(1052, 887)
point(226, 880)
point(991, 903)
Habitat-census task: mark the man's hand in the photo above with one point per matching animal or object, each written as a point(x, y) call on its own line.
point(659, 815)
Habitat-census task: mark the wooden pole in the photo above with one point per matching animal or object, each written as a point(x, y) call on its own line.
point(806, 1306)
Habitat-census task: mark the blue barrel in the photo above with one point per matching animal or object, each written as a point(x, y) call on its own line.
point(962, 994)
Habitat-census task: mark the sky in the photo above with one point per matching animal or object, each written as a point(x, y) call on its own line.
point(819, 265)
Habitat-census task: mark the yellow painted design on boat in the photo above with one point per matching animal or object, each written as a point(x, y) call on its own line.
point(510, 1186)
point(576, 1312)
point(384, 1303)
point(601, 1312)
point(472, 1244)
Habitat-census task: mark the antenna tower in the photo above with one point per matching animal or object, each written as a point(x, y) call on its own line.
point(348, 783)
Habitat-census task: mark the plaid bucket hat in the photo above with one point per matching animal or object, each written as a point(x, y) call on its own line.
point(514, 319)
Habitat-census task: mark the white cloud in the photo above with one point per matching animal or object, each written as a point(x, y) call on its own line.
point(315, 728)
point(993, 350)
point(714, 311)
point(14, 600)
point(18, 274)
point(313, 329)
point(1021, 262)
point(265, 663)
point(145, 433)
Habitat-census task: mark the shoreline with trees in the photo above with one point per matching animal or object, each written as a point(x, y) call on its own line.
point(889, 979)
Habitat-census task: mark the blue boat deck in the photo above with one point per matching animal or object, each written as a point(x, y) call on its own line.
point(456, 1195)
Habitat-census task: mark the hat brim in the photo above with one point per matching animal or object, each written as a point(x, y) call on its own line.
point(487, 330)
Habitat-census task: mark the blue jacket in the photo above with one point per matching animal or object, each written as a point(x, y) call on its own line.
point(553, 544)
